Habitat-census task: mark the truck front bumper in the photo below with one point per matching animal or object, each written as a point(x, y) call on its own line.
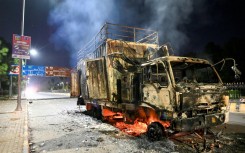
point(199, 122)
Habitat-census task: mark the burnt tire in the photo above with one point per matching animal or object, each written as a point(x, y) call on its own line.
point(97, 113)
point(154, 132)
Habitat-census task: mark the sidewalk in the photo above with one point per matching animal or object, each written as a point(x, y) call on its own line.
point(234, 105)
point(13, 127)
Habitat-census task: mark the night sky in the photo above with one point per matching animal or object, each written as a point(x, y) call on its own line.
point(59, 28)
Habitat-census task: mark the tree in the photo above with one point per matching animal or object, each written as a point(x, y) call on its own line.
point(3, 56)
point(51, 84)
point(5, 63)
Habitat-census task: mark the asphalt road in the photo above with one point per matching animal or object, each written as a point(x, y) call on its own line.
point(57, 126)
point(237, 118)
point(46, 95)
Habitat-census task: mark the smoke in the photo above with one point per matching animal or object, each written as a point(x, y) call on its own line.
point(77, 21)
point(169, 18)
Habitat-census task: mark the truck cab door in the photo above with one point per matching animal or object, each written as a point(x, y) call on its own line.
point(155, 88)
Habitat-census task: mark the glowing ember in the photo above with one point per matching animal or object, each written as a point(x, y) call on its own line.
point(133, 129)
point(140, 124)
point(107, 112)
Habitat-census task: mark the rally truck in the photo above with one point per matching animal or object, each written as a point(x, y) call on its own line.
point(124, 75)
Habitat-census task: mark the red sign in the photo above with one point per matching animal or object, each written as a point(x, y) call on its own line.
point(58, 71)
point(21, 46)
point(14, 70)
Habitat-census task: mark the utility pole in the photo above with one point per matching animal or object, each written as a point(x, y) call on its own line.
point(19, 108)
point(11, 86)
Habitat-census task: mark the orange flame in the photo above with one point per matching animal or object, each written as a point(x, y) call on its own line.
point(154, 118)
point(135, 129)
point(107, 112)
point(140, 124)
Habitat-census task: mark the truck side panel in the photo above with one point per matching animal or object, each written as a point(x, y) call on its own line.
point(96, 80)
point(75, 92)
point(121, 56)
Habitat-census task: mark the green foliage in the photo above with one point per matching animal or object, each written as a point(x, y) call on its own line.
point(3, 52)
point(6, 61)
point(3, 69)
point(3, 58)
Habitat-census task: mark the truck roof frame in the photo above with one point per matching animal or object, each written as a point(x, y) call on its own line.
point(117, 32)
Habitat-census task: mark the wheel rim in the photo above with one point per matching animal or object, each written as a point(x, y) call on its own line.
point(154, 132)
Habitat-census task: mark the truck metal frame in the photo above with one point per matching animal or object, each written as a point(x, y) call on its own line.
point(128, 74)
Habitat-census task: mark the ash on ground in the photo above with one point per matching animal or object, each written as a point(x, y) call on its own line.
point(58, 126)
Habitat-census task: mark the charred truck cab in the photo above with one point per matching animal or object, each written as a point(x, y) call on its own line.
point(136, 80)
point(188, 92)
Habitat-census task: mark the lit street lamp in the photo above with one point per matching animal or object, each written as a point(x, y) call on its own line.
point(33, 52)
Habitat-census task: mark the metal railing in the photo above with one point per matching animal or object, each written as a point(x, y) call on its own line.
point(236, 90)
point(96, 47)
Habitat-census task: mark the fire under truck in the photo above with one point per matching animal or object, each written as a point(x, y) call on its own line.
point(123, 74)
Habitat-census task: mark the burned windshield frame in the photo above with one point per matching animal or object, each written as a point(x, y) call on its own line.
point(155, 73)
point(190, 72)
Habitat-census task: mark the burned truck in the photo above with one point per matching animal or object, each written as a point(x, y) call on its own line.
point(124, 74)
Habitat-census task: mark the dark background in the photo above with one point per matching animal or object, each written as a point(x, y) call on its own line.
point(213, 29)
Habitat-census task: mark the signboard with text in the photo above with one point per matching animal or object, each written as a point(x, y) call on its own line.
point(21, 46)
point(14, 70)
point(57, 71)
point(33, 70)
point(43, 71)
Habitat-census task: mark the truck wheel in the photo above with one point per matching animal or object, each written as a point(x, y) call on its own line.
point(96, 113)
point(154, 132)
point(99, 114)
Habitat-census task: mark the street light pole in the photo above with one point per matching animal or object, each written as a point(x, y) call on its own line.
point(19, 108)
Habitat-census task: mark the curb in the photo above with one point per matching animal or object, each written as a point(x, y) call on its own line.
point(234, 105)
point(26, 134)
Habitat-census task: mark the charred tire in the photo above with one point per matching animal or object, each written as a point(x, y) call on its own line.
point(97, 113)
point(154, 132)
